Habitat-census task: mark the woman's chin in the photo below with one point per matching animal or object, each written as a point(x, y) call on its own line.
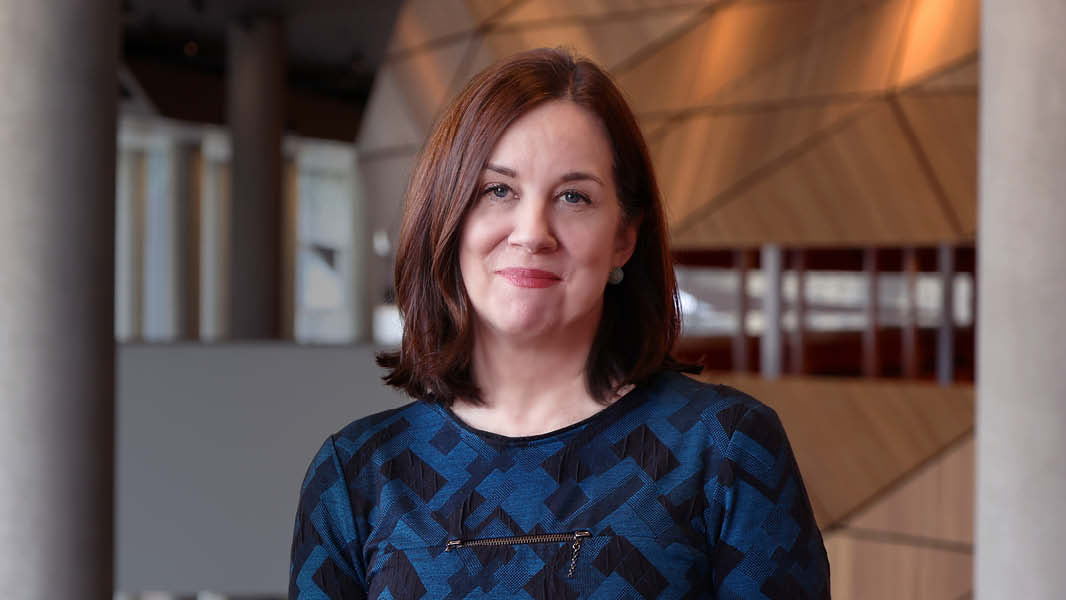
point(525, 328)
point(531, 320)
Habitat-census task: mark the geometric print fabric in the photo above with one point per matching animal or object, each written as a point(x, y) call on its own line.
point(679, 489)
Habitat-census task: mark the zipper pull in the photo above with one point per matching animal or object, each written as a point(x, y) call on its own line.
point(578, 536)
point(453, 544)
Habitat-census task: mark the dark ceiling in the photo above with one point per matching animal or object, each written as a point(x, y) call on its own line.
point(175, 49)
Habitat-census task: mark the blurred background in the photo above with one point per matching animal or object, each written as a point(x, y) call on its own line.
point(204, 197)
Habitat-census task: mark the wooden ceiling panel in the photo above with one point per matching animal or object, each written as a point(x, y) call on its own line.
point(860, 185)
point(387, 121)
point(492, 10)
point(939, 33)
point(854, 438)
point(428, 79)
point(946, 128)
point(703, 157)
point(872, 569)
point(851, 54)
point(605, 42)
point(716, 52)
point(747, 105)
point(481, 55)
point(884, 179)
point(550, 10)
point(653, 128)
point(424, 21)
point(937, 502)
point(959, 76)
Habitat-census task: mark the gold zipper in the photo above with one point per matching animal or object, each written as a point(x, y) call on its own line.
point(576, 537)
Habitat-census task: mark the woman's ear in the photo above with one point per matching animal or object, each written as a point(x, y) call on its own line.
point(625, 241)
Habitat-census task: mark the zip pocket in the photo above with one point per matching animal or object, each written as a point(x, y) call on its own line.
point(575, 537)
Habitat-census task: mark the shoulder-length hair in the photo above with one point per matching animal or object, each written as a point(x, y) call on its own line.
point(641, 315)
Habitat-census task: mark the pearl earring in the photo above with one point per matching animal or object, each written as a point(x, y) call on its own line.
point(616, 276)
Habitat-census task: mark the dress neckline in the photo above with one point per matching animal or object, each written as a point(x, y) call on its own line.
point(627, 400)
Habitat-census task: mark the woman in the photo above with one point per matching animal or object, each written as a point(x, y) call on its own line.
point(553, 450)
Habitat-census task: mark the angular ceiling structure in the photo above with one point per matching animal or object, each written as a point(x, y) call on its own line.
point(801, 122)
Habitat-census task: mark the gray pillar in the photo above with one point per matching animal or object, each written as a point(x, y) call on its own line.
point(255, 88)
point(58, 61)
point(770, 344)
point(214, 238)
point(167, 202)
point(129, 246)
point(1021, 392)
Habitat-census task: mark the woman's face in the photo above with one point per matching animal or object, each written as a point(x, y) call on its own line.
point(546, 227)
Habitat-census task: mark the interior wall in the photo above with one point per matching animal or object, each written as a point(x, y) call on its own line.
point(212, 445)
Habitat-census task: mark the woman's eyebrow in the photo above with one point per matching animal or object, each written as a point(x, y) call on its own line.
point(580, 175)
point(501, 170)
point(571, 176)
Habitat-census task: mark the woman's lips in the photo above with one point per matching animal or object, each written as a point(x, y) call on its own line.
point(529, 278)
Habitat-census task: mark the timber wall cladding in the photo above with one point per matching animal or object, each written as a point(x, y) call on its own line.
point(856, 439)
point(889, 468)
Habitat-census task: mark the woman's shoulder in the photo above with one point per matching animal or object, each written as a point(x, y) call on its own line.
point(678, 388)
point(388, 426)
point(374, 439)
point(722, 409)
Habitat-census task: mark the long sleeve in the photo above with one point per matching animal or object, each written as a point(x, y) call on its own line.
point(326, 562)
point(768, 544)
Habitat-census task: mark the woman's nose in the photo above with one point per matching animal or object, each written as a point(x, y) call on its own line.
point(532, 228)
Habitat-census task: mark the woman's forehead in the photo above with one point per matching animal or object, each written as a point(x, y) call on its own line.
point(555, 135)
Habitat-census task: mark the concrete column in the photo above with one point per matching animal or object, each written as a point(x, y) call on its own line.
point(770, 344)
point(1021, 392)
point(171, 253)
point(255, 88)
point(129, 245)
point(58, 61)
point(214, 237)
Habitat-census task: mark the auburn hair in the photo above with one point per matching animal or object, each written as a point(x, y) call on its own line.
point(641, 315)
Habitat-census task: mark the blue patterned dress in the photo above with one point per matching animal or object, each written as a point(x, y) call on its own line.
point(679, 489)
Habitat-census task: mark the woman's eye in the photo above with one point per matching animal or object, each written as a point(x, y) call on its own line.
point(499, 190)
point(572, 197)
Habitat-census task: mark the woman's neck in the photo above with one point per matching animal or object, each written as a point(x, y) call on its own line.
point(529, 386)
